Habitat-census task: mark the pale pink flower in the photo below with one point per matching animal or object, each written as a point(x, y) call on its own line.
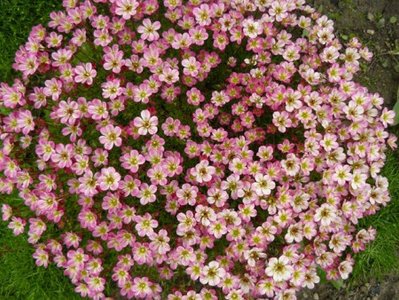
point(387, 117)
point(17, 225)
point(325, 214)
point(212, 274)
point(342, 174)
point(149, 30)
point(110, 136)
point(85, 73)
point(41, 257)
point(6, 211)
point(146, 123)
point(252, 28)
point(191, 66)
point(279, 269)
point(126, 8)
point(263, 185)
point(109, 179)
point(203, 172)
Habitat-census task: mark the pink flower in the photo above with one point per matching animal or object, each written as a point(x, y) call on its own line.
point(169, 75)
point(109, 179)
point(53, 89)
point(6, 211)
point(112, 89)
point(110, 136)
point(132, 160)
point(17, 225)
point(88, 184)
point(85, 73)
point(282, 121)
point(41, 257)
point(63, 155)
point(387, 117)
point(145, 225)
point(345, 268)
point(191, 66)
point(358, 180)
point(126, 8)
point(146, 123)
point(98, 109)
point(148, 30)
point(203, 171)
point(252, 28)
point(329, 142)
point(68, 112)
point(291, 165)
point(203, 15)
point(95, 284)
point(25, 121)
point(282, 145)
point(142, 254)
point(325, 214)
point(113, 59)
point(160, 242)
point(142, 288)
point(147, 194)
point(187, 194)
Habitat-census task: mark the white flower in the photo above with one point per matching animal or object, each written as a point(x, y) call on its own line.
point(252, 28)
point(212, 274)
point(203, 172)
point(279, 269)
point(263, 185)
point(325, 214)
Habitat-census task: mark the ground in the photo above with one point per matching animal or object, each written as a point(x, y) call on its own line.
point(376, 24)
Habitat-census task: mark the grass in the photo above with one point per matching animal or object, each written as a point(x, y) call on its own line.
point(381, 257)
point(21, 279)
point(17, 17)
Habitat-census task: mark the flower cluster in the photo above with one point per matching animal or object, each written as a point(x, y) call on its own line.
point(199, 149)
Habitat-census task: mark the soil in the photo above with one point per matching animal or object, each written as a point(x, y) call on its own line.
point(385, 289)
point(376, 24)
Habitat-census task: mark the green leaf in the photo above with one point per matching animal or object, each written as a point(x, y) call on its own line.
point(338, 284)
point(322, 274)
point(344, 37)
point(5, 111)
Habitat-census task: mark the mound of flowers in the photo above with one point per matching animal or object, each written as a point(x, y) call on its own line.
point(200, 149)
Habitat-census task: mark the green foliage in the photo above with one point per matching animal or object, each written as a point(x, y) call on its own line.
point(17, 17)
point(20, 278)
point(381, 257)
